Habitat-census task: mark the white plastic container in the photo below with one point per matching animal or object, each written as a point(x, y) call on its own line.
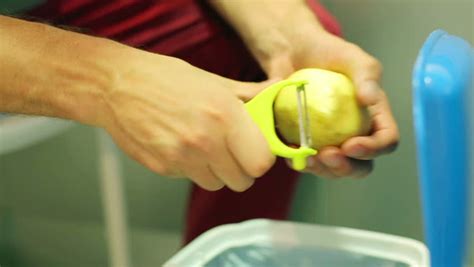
point(271, 243)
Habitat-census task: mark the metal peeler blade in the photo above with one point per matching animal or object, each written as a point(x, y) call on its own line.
point(303, 117)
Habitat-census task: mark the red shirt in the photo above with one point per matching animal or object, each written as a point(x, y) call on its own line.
point(188, 29)
point(191, 30)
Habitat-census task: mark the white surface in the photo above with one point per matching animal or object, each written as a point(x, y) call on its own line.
point(19, 131)
point(267, 232)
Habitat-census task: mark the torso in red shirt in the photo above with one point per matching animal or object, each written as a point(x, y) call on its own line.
point(192, 31)
point(188, 29)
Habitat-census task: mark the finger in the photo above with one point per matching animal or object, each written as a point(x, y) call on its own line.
point(247, 144)
point(351, 168)
point(280, 66)
point(237, 183)
point(361, 168)
point(215, 152)
point(204, 177)
point(248, 90)
point(364, 70)
point(335, 161)
point(316, 167)
point(138, 153)
point(371, 147)
point(194, 161)
point(368, 92)
point(341, 166)
point(227, 168)
point(384, 139)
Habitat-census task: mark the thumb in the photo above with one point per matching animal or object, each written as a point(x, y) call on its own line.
point(366, 73)
point(362, 68)
point(366, 77)
point(245, 91)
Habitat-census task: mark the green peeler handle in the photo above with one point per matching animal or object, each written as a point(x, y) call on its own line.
point(260, 109)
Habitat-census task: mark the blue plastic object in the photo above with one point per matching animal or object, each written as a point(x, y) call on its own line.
point(442, 95)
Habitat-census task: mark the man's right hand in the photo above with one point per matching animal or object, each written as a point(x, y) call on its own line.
point(173, 118)
point(178, 120)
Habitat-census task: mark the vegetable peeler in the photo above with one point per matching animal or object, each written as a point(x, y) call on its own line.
point(261, 111)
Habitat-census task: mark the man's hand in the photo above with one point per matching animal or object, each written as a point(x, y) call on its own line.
point(285, 36)
point(353, 157)
point(174, 118)
point(182, 121)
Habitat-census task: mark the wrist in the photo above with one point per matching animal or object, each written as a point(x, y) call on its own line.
point(282, 49)
point(82, 71)
point(272, 30)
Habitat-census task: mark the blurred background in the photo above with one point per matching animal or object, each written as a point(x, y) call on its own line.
point(50, 204)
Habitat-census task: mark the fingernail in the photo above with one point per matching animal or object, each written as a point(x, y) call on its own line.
point(333, 161)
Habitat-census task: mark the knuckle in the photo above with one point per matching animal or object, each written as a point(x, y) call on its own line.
point(261, 166)
point(345, 170)
point(216, 114)
point(351, 47)
point(197, 140)
point(370, 61)
point(208, 182)
point(383, 95)
point(152, 165)
point(244, 186)
point(164, 170)
point(374, 65)
point(173, 155)
point(213, 186)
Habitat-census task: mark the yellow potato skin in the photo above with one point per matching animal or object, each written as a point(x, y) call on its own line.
point(333, 110)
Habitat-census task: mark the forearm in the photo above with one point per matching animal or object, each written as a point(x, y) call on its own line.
point(269, 27)
point(48, 71)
